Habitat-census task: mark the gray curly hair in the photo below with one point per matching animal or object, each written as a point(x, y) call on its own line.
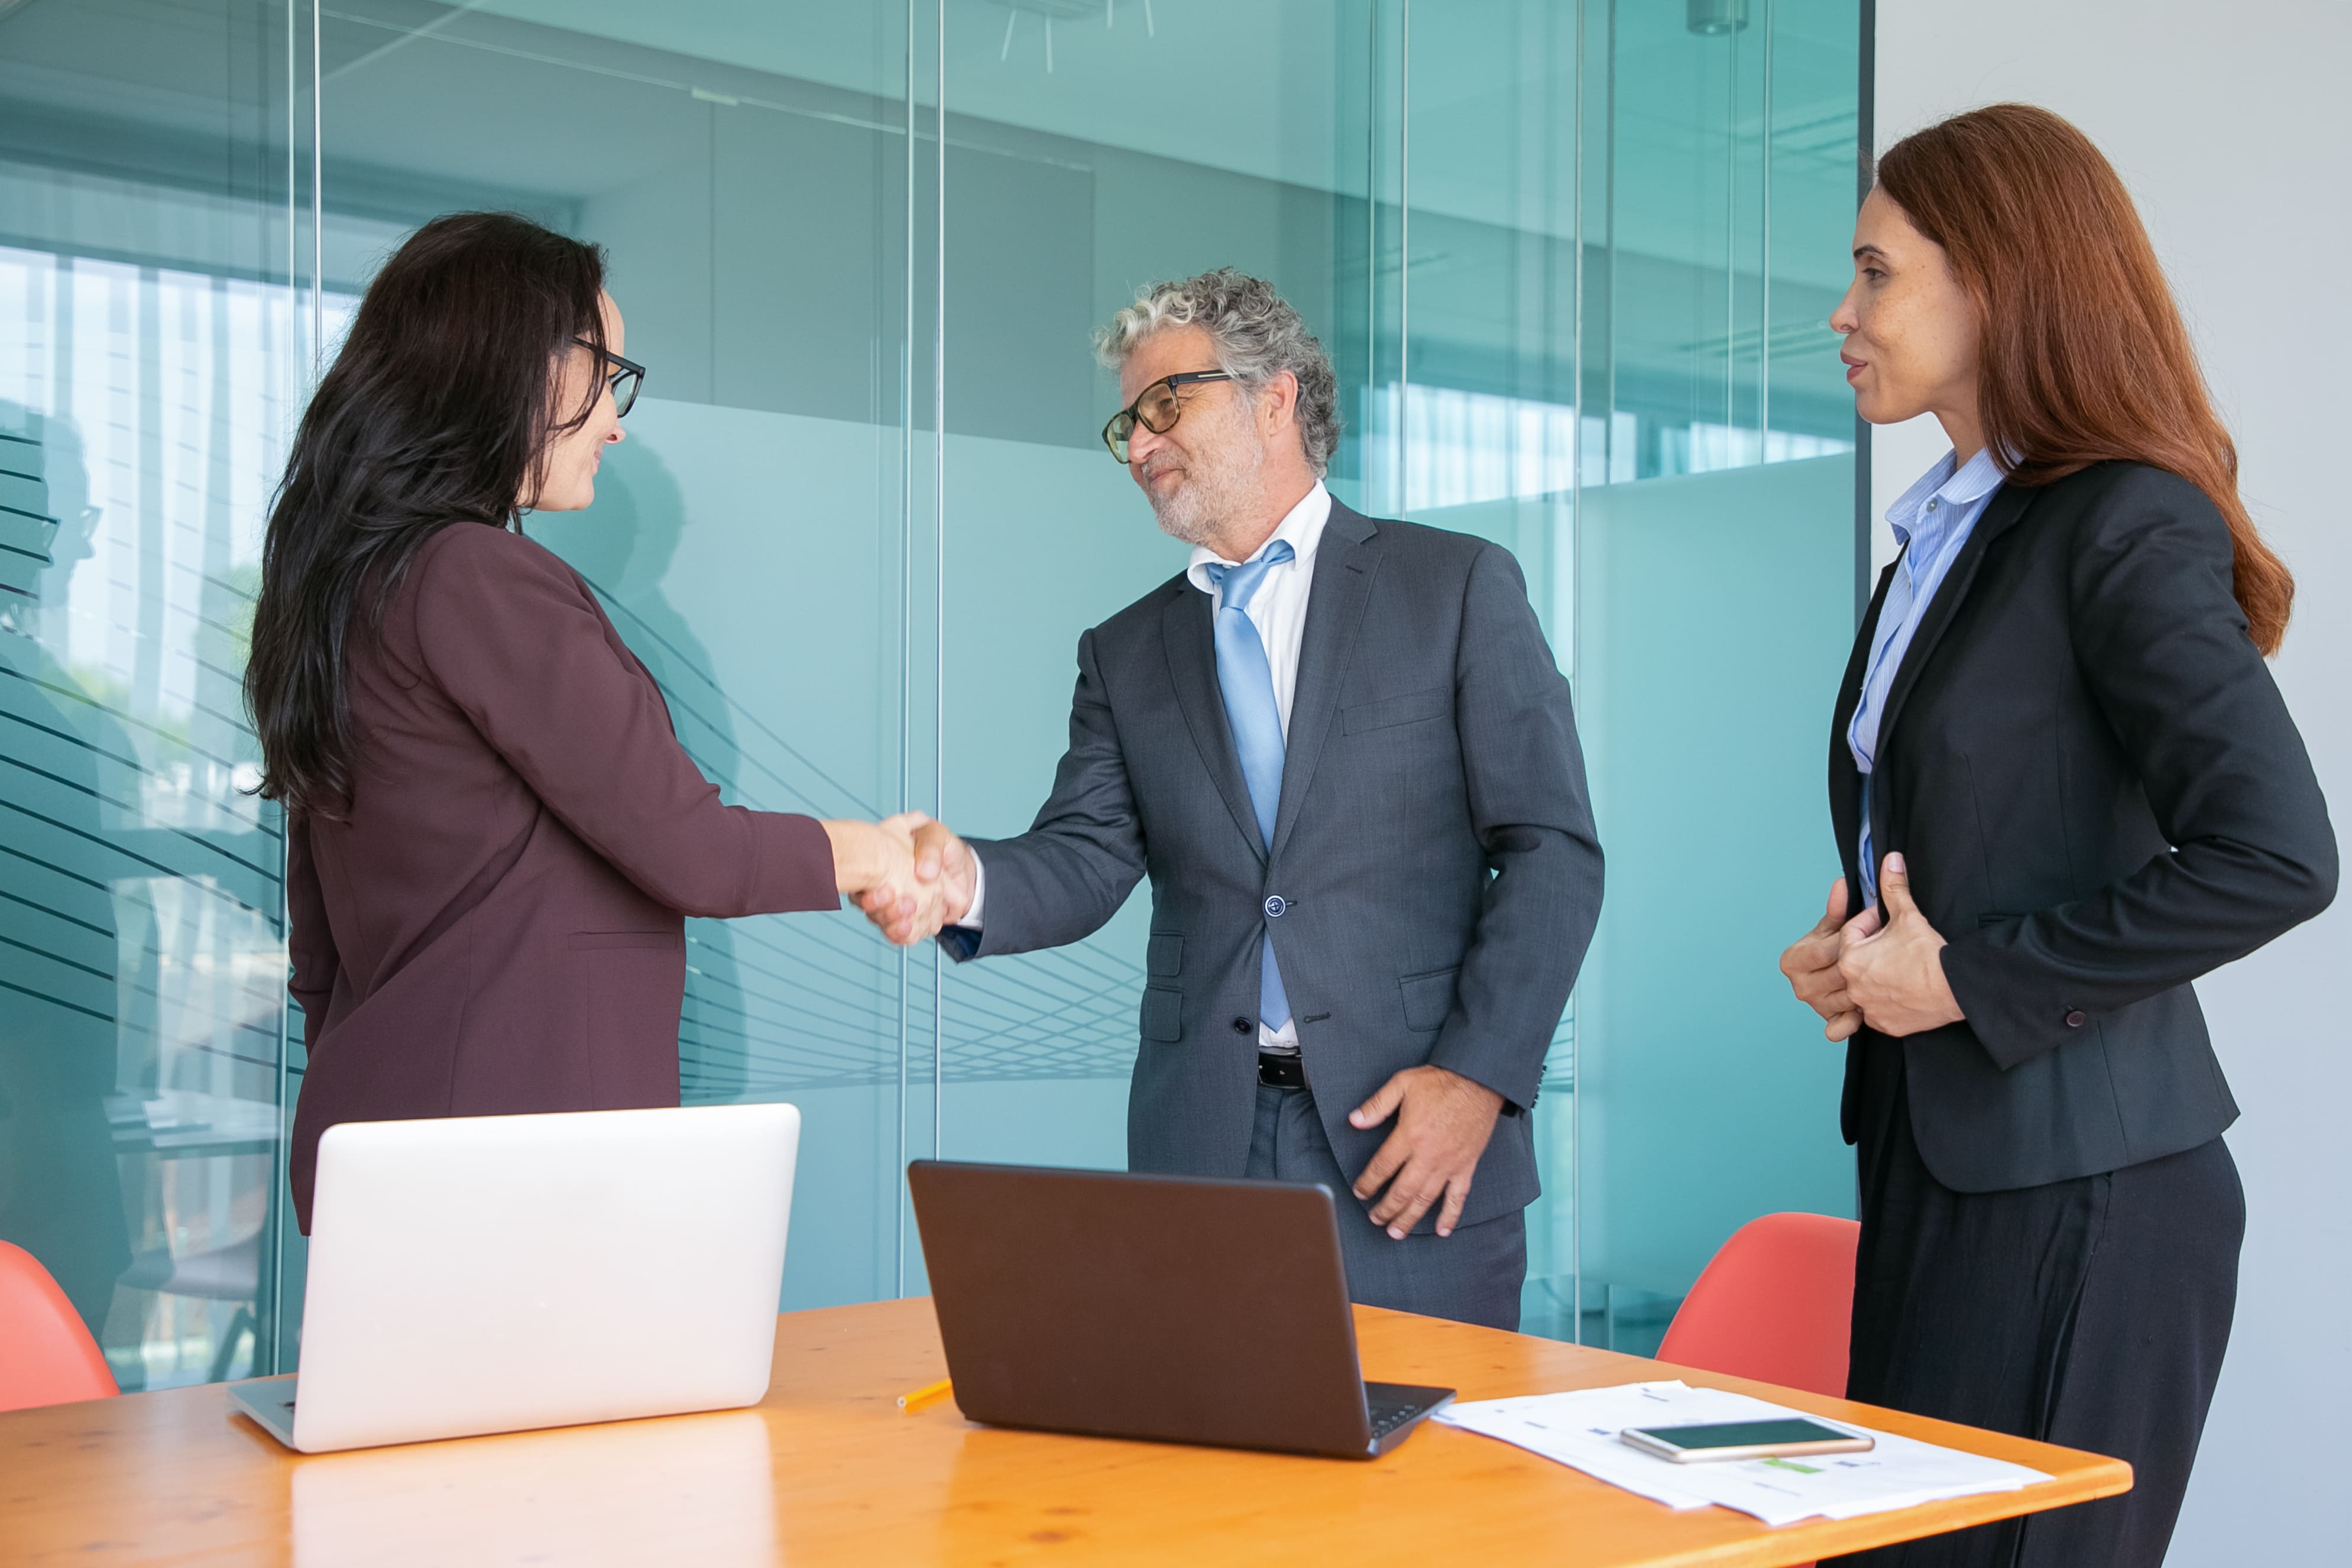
point(1256, 334)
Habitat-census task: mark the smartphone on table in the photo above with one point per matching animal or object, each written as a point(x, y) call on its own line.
point(1768, 1439)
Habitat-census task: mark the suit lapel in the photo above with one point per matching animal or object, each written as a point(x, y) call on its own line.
point(1189, 629)
point(1345, 563)
point(1998, 518)
point(1846, 791)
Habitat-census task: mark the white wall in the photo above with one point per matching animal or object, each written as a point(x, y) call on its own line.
point(2231, 124)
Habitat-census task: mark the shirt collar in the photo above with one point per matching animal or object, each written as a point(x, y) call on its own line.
point(1302, 525)
point(1955, 487)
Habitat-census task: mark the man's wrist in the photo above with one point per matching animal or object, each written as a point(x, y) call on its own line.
point(970, 919)
point(1494, 1099)
point(1452, 1055)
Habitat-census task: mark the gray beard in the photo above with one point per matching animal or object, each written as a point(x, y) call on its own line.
point(1210, 495)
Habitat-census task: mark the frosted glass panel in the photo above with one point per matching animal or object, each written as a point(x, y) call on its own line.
point(1603, 373)
point(152, 355)
point(1716, 612)
point(1714, 605)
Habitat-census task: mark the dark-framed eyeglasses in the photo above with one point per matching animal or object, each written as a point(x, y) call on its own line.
point(624, 376)
point(1156, 409)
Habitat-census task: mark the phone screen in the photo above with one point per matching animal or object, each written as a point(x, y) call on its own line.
point(1744, 1434)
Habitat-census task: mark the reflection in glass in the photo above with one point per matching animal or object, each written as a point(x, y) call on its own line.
point(680, 1488)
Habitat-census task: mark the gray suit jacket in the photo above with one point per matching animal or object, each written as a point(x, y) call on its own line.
point(1433, 850)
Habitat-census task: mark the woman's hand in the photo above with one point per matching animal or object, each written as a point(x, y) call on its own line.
point(875, 863)
point(1893, 972)
point(1812, 966)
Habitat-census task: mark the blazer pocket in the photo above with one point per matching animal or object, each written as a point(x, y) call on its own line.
point(1388, 711)
point(584, 941)
point(1163, 1014)
point(1164, 955)
point(1428, 999)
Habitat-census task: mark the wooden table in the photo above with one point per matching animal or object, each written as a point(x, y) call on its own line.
point(828, 1470)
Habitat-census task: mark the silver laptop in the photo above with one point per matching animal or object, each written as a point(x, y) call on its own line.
point(498, 1273)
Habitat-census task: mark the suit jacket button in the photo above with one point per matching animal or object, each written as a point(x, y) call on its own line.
point(1275, 904)
point(2076, 1019)
point(1242, 1026)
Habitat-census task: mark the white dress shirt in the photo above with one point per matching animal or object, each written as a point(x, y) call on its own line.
point(1932, 522)
point(1278, 610)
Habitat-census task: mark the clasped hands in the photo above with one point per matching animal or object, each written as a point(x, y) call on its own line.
point(1885, 971)
point(910, 874)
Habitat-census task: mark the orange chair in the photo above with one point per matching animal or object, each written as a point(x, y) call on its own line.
point(46, 1356)
point(1775, 1303)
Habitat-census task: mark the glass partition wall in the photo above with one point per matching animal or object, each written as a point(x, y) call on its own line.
point(158, 322)
point(1714, 544)
point(1574, 263)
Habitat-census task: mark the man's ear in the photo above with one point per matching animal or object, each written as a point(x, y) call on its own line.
point(1278, 404)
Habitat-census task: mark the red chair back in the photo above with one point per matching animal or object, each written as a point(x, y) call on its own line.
point(46, 1356)
point(1776, 1303)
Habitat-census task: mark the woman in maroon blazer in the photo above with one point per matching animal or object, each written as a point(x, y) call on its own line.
point(493, 836)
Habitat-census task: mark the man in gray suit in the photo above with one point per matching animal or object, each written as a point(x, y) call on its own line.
point(1344, 756)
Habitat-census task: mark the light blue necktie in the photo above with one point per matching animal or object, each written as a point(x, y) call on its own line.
point(1247, 682)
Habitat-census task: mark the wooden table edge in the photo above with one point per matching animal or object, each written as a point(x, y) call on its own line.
point(896, 1346)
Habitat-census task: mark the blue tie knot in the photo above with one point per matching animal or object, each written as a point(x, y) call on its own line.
point(1240, 583)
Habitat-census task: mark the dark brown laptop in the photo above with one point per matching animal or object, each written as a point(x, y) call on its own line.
point(1173, 1308)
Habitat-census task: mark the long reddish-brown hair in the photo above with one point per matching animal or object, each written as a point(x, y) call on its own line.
point(2082, 355)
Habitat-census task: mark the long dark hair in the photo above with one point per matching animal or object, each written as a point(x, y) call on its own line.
point(2083, 354)
point(438, 412)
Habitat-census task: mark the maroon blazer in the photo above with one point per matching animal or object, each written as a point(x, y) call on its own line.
point(498, 923)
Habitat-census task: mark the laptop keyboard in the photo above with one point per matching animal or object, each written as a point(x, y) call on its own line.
point(1387, 1415)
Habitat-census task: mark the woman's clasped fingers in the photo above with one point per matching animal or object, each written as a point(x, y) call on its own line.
point(1811, 962)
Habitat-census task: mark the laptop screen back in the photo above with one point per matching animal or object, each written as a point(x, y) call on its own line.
point(1175, 1308)
point(493, 1274)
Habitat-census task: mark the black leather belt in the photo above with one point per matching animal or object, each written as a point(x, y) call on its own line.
point(1280, 1071)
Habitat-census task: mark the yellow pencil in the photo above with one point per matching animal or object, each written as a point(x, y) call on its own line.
point(926, 1395)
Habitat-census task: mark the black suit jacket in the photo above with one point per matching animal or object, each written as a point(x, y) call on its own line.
point(1433, 863)
point(2100, 797)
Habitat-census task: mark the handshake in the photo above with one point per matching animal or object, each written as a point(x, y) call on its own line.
point(910, 875)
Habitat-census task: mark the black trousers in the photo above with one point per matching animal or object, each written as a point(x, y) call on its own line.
point(2091, 1314)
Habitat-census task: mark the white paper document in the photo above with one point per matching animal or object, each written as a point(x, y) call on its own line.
point(1579, 1429)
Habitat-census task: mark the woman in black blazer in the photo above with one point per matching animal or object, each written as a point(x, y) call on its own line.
point(2059, 763)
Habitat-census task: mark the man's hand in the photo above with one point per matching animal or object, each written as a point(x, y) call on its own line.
point(1894, 977)
point(944, 870)
point(1443, 1120)
point(1812, 966)
point(939, 853)
point(911, 899)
